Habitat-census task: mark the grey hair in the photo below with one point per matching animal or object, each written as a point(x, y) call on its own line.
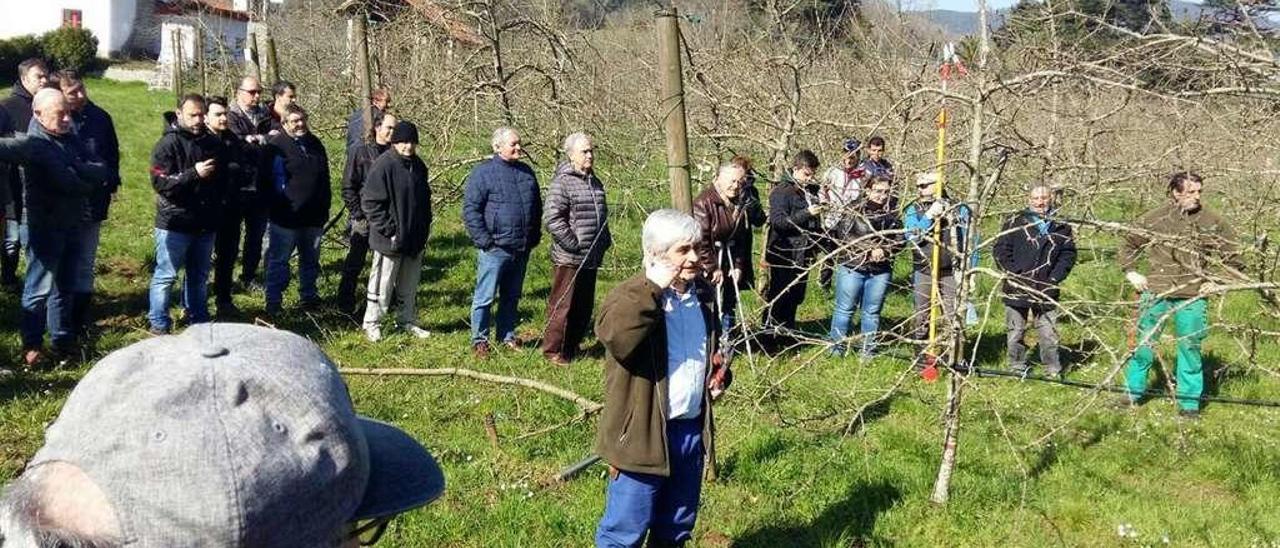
point(574, 138)
point(500, 134)
point(667, 227)
point(21, 506)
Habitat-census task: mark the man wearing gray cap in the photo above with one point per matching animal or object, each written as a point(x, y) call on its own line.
point(225, 435)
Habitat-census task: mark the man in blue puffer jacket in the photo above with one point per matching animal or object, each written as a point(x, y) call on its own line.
point(502, 210)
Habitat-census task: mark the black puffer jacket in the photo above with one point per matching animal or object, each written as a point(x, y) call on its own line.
point(577, 216)
point(791, 226)
point(299, 180)
point(184, 201)
point(397, 201)
point(1034, 261)
point(17, 107)
point(866, 228)
point(67, 173)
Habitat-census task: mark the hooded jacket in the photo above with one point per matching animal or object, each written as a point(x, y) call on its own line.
point(791, 226)
point(299, 181)
point(502, 206)
point(1036, 254)
point(576, 217)
point(98, 132)
point(184, 201)
point(396, 199)
point(353, 177)
point(67, 172)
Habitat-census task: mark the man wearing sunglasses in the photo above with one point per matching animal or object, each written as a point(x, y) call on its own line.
point(252, 123)
point(226, 435)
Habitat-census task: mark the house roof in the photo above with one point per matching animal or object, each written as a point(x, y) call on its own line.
point(221, 8)
point(432, 11)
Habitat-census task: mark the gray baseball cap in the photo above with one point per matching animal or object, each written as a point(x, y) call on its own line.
point(234, 435)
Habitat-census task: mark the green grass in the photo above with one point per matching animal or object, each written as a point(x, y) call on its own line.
point(1038, 464)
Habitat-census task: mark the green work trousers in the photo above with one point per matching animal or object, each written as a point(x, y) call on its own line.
point(1189, 324)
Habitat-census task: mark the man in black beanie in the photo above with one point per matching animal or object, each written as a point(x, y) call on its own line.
point(396, 200)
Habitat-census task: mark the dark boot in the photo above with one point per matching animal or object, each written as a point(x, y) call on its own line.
point(80, 321)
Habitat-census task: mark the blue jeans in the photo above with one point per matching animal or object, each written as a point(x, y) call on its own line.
point(858, 290)
point(279, 249)
point(193, 253)
point(499, 273)
point(62, 324)
point(51, 256)
point(664, 507)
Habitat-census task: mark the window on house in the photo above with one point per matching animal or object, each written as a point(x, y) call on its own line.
point(72, 18)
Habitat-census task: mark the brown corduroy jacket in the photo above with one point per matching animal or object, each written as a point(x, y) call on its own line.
point(632, 433)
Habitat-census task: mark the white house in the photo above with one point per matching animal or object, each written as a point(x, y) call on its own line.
point(135, 27)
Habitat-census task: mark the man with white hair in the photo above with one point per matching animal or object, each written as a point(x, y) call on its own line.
point(227, 435)
point(659, 334)
point(69, 174)
point(577, 218)
point(501, 207)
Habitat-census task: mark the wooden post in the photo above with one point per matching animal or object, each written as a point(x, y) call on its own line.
point(175, 37)
point(362, 72)
point(199, 46)
point(671, 108)
point(255, 66)
point(273, 67)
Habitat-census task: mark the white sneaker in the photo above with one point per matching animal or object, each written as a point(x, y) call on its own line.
point(373, 333)
point(417, 331)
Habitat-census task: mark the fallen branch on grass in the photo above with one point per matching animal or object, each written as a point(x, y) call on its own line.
point(588, 407)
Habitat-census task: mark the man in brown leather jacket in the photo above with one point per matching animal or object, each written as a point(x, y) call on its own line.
point(726, 218)
point(658, 330)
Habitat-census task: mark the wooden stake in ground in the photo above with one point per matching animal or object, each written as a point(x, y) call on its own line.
point(273, 66)
point(175, 38)
point(362, 72)
point(199, 52)
point(671, 108)
point(255, 66)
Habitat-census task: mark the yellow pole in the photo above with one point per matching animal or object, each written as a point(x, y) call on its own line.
point(934, 267)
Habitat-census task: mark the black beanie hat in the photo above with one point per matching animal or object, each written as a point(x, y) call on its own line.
point(405, 132)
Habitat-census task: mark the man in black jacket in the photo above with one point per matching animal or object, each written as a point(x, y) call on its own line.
point(299, 181)
point(190, 185)
point(226, 243)
point(358, 163)
point(1037, 253)
point(68, 314)
point(33, 74)
point(51, 153)
point(793, 225)
point(250, 121)
point(397, 204)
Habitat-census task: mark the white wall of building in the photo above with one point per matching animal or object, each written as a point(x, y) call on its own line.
point(110, 21)
point(220, 32)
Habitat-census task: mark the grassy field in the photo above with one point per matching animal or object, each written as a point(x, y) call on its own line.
point(1038, 464)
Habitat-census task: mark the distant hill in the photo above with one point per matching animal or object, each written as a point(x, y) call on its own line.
point(961, 23)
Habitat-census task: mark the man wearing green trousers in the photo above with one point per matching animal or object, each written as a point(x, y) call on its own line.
point(1182, 242)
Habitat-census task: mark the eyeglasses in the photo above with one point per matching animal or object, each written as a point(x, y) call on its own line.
point(251, 91)
point(370, 531)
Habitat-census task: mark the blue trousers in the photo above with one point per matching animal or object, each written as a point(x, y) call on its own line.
point(192, 252)
point(279, 249)
point(857, 290)
point(63, 317)
point(663, 507)
point(51, 258)
point(500, 276)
